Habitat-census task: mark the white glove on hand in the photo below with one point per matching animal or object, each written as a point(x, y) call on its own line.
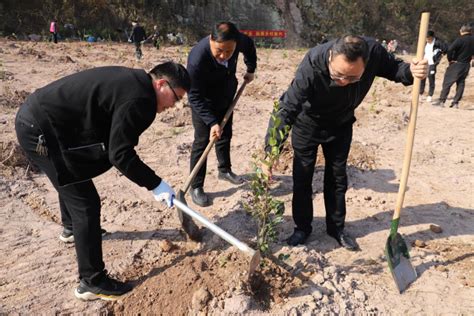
point(164, 193)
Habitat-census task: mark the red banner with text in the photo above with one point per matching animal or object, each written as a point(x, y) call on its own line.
point(265, 33)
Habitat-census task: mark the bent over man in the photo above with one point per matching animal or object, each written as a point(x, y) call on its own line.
point(331, 81)
point(78, 127)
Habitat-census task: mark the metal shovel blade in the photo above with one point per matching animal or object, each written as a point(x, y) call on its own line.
point(187, 223)
point(399, 263)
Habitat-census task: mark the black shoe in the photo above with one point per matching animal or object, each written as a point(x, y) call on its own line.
point(200, 197)
point(345, 241)
point(298, 237)
point(68, 237)
point(230, 177)
point(106, 289)
point(438, 103)
point(454, 105)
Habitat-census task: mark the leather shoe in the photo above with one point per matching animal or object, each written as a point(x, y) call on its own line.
point(298, 237)
point(230, 177)
point(200, 197)
point(345, 240)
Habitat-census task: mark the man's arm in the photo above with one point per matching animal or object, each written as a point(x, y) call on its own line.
point(247, 47)
point(129, 121)
point(392, 68)
point(453, 48)
point(199, 104)
point(291, 102)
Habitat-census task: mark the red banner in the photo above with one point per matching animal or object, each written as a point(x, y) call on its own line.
point(265, 33)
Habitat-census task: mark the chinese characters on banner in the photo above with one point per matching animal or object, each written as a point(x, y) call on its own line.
point(265, 33)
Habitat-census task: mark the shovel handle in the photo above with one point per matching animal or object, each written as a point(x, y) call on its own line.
point(213, 227)
point(415, 92)
point(201, 160)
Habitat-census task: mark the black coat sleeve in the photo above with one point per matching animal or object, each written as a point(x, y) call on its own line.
point(392, 68)
point(247, 47)
point(129, 121)
point(199, 73)
point(453, 48)
point(291, 103)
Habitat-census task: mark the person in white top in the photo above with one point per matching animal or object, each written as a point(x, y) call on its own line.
point(434, 50)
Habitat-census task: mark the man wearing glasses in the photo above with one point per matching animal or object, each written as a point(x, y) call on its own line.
point(331, 81)
point(77, 128)
point(212, 65)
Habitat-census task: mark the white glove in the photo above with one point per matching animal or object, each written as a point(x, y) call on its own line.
point(164, 193)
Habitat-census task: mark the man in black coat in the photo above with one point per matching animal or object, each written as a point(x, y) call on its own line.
point(77, 128)
point(331, 81)
point(459, 55)
point(434, 50)
point(137, 37)
point(212, 66)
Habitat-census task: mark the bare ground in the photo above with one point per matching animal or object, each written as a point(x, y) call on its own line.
point(175, 276)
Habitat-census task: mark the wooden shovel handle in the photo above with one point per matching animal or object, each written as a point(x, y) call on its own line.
point(213, 140)
point(415, 92)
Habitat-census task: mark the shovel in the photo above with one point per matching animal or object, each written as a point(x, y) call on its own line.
point(396, 249)
point(254, 255)
point(187, 223)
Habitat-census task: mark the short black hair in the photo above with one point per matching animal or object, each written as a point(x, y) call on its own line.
point(225, 31)
point(175, 73)
point(352, 47)
point(466, 28)
point(430, 33)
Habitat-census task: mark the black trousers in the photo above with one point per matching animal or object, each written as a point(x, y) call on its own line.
point(79, 203)
point(455, 73)
point(431, 80)
point(201, 140)
point(306, 140)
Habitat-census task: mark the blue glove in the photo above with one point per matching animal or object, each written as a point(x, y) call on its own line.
point(164, 193)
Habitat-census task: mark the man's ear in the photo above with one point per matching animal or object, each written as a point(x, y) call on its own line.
point(158, 83)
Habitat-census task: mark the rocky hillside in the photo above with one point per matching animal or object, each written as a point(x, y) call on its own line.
point(305, 20)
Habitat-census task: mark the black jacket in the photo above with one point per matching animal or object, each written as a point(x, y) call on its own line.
point(138, 34)
point(439, 48)
point(92, 121)
point(462, 49)
point(313, 96)
point(213, 85)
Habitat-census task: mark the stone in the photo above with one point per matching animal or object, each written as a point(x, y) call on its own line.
point(419, 243)
point(200, 299)
point(359, 295)
point(317, 295)
point(237, 304)
point(436, 229)
point(318, 278)
point(166, 245)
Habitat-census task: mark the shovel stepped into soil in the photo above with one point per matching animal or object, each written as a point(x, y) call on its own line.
point(396, 249)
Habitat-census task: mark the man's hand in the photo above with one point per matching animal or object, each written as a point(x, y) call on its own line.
point(419, 68)
point(164, 193)
point(248, 77)
point(215, 132)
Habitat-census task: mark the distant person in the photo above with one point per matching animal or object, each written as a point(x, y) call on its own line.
point(137, 37)
point(53, 29)
point(212, 65)
point(80, 126)
point(330, 83)
point(155, 37)
point(459, 56)
point(392, 46)
point(434, 50)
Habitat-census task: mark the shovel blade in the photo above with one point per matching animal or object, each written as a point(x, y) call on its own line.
point(187, 223)
point(254, 262)
point(399, 263)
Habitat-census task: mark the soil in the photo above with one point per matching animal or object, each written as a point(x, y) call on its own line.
point(175, 276)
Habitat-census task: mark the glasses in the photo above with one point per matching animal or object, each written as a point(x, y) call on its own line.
point(337, 76)
point(174, 92)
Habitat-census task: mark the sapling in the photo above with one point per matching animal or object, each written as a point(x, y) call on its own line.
point(267, 211)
